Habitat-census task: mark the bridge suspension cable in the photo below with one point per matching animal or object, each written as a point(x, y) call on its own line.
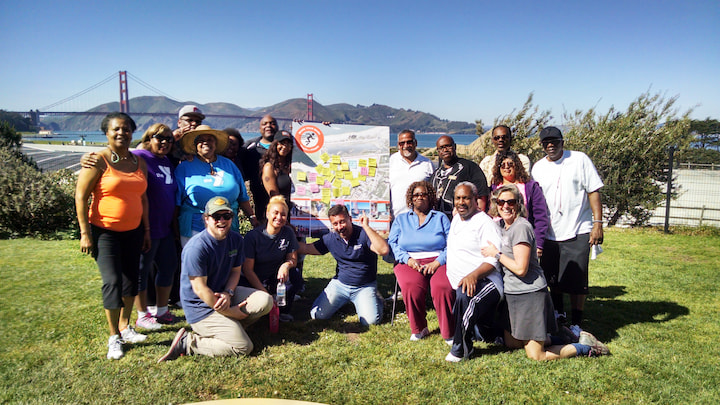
point(76, 95)
point(149, 87)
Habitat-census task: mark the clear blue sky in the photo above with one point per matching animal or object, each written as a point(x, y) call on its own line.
point(458, 60)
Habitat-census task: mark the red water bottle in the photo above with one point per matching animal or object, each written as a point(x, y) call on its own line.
point(274, 318)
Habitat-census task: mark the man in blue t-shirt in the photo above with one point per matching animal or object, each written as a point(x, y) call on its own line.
point(215, 306)
point(356, 249)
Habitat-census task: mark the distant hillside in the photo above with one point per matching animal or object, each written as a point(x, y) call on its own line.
point(296, 108)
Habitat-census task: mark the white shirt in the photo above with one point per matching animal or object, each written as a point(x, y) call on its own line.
point(566, 183)
point(465, 240)
point(402, 175)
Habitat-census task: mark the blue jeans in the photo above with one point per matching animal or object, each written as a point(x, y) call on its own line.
point(368, 305)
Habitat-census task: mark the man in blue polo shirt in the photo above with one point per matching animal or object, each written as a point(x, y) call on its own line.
point(356, 249)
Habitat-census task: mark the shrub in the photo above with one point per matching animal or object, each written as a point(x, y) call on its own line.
point(33, 203)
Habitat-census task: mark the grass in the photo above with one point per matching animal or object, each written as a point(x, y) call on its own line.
point(654, 300)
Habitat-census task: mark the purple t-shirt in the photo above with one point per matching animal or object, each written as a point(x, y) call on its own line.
point(160, 193)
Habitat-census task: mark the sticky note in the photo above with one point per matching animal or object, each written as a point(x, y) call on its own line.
point(302, 176)
point(354, 182)
point(362, 162)
point(363, 170)
point(325, 157)
point(345, 166)
point(348, 176)
point(336, 192)
point(371, 172)
point(314, 188)
point(337, 183)
point(311, 177)
point(300, 190)
point(336, 159)
point(346, 190)
point(362, 178)
point(372, 162)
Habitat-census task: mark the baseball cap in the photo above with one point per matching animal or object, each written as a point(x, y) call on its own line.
point(192, 110)
point(550, 133)
point(216, 204)
point(282, 136)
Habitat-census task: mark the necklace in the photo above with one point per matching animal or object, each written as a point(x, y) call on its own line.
point(114, 157)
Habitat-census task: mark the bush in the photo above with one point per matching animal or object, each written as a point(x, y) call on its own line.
point(33, 203)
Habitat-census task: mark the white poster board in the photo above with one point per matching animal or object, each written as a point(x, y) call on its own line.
point(339, 164)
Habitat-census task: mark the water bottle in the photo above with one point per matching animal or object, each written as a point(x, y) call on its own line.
point(281, 294)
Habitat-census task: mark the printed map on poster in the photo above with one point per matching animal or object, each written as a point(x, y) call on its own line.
point(339, 164)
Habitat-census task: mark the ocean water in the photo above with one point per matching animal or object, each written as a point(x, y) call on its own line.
point(424, 140)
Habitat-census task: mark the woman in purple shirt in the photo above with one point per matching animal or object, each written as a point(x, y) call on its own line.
point(418, 239)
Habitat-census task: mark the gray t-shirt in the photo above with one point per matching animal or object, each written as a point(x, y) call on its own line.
point(522, 232)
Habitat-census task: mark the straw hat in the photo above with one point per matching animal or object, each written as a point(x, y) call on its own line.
point(188, 140)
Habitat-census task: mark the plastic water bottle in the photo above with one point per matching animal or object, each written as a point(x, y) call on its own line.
point(281, 290)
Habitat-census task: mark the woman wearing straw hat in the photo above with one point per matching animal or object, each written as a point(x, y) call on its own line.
point(207, 175)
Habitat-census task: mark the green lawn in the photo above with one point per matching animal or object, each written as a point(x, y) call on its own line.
point(654, 300)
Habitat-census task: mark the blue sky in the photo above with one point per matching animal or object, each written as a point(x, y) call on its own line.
point(459, 60)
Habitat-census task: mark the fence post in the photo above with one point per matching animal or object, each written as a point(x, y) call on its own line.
point(702, 215)
point(669, 189)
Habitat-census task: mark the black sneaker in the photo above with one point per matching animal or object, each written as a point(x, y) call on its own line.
point(177, 347)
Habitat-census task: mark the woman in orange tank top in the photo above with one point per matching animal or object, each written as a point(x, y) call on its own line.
point(115, 228)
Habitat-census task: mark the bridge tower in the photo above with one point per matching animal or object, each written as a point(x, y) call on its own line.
point(310, 116)
point(124, 100)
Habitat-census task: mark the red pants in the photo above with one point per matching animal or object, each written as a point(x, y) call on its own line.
point(414, 286)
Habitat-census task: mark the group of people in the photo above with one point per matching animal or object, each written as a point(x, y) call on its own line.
point(182, 191)
point(497, 274)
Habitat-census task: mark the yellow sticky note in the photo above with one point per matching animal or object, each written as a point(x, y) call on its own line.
point(326, 192)
point(362, 162)
point(362, 178)
point(371, 172)
point(354, 182)
point(348, 175)
point(326, 200)
point(372, 162)
point(346, 190)
point(320, 180)
point(336, 159)
point(302, 176)
point(336, 192)
point(333, 166)
point(337, 183)
point(345, 166)
point(325, 157)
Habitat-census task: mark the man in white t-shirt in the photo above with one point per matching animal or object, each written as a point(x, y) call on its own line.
point(406, 167)
point(477, 281)
point(571, 187)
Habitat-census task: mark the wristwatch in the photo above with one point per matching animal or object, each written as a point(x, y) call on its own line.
point(497, 256)
point(230, 292)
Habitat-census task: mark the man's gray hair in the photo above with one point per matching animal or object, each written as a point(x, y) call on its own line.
point(468, 184)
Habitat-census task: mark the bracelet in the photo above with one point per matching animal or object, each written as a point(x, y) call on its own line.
point(252, 216)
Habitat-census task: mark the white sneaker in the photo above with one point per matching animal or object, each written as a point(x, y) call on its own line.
point(417, 336)
point(449, 342)
point(130, 336)
point(115, 350)
point(148, 322)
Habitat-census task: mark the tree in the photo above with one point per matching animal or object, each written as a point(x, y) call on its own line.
point(9, 138)
point(707, 133)
point(630, 151)
point(17, 121)
point(525, 124)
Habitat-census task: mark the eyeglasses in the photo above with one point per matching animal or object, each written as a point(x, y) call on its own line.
point(218, 216)
point(418, 195)
point(445, 147)
point(161, 138)
point(499, 137)
point(410, 142)
point(507, 165)
point(511, 202)
point(554, 142)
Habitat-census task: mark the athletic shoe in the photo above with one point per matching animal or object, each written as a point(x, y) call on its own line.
point(417, 336)
point(454, 359)
point(115, 350)
point(286, 318)
point(575, 329)
point(449, 342)
point(167, 318)
point(597, 348)
point(397, 296)
point(177, 347)
point(130, 336)
point(147, 322)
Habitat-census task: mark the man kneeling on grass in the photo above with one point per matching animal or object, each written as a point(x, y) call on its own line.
point(356, 249)
point(216, 308)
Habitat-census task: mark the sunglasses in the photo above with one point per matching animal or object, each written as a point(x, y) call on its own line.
point(507, 165)
point(551, 141)
point(418, 195)
point(499, 137)
point(445, 147)
point(511, 202)
point(162, 139)
point(218, 216)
